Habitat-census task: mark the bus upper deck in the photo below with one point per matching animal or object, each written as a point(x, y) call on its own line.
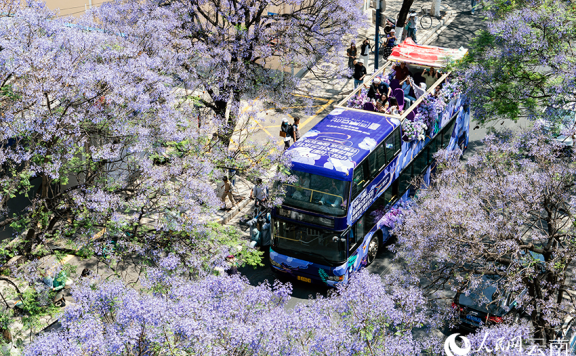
point(350, 168)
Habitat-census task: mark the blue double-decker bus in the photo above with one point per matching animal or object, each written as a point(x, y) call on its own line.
point(349, 165)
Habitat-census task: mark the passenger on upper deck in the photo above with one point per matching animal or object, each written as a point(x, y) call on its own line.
point(406, 88)
point(297, 192)
point(394, 109)
point(382, 104)
point(378, 89)
point(418, 90)
point(431, 76)
point(402, 71)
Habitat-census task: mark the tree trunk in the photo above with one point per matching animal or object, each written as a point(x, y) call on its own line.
point(7, 335)
point(30, 238)
point(435, 10)
point(401, 21)
point(45, 185)
point(224, 132)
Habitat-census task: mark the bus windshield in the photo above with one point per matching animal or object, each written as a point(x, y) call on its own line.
point(312, 244)
point(319, 194)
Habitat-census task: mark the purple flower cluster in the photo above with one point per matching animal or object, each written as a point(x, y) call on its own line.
point(358, 101)
point(413, 130)
point(225, 315)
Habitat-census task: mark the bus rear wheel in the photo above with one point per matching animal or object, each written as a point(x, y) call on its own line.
point(372, 250)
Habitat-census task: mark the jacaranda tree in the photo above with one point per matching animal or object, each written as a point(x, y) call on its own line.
point(226, 316)
point(507, 212)
point(523, 61)
point(236, 50)
point(85, 114)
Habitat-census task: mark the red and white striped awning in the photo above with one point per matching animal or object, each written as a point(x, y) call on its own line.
point(430, 56)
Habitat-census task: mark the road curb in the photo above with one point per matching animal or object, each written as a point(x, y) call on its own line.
point(444, 23)
point(232, 213)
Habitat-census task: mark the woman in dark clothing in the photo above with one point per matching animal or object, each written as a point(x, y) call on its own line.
point(352, 53)
point(286, 131)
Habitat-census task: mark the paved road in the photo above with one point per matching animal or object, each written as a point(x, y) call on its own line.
point(462, 29)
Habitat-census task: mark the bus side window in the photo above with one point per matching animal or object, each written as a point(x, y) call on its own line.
point(447, 134)
point(360, 178)
point(405, 178)
point(358, 234)
point(420, 163)
point(377, 160)
point(376, 211)
point(388, 194)
point(393, 145)
point(432, 148)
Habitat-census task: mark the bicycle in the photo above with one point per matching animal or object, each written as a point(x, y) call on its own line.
point(425, 18)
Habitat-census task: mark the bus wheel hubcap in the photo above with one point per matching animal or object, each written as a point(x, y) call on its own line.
point(372, 250)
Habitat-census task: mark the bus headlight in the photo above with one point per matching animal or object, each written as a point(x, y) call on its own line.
point(336, 278)
point(275, 264)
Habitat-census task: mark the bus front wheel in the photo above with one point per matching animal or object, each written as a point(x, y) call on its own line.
point(372, 250)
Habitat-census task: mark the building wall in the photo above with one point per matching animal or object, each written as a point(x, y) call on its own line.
point(71, 7)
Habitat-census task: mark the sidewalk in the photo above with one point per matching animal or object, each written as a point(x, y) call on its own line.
point(340, 87)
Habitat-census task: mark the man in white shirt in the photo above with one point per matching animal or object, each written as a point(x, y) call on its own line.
point(418, 90)
point(259, 192)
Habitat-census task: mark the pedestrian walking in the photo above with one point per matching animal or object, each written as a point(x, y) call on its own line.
point(473, 4)
point(259, 192)
point(286, 132)
point(352, 53)
point(412, 23)
point(295, 130)
point(390, 43)
point(227, 192)
point(359, 73)
point(404, 25)
point(365, 51)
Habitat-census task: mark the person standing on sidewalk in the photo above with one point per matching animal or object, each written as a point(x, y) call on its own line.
point(473, 4)
point(227, 188)
point(390, 43)
point(364, 52)
point(359, 73)
point(286, 132)
point(352, 53)
point(412, 23)
point(259, 192)
point(295, 131)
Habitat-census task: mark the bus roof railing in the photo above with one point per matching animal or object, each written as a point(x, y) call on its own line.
point(419, 100)
point(344, 103)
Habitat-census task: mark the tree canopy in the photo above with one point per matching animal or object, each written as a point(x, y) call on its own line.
point(506, 212)
point(523, 61)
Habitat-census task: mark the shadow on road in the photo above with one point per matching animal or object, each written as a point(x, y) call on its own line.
point(301, 291)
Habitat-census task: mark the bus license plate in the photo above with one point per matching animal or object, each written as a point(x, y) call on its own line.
point(304, 279)
point(473, 318)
